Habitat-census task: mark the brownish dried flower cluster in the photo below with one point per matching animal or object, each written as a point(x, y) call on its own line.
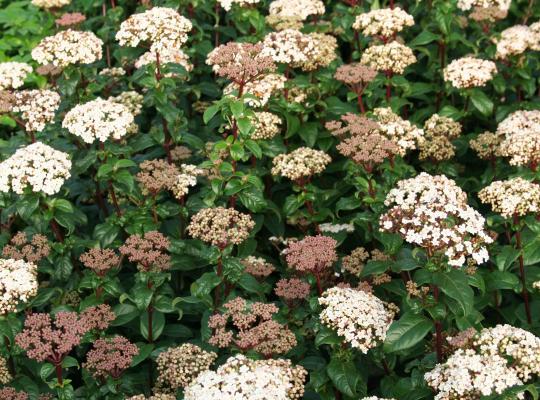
point(486, 145)
point(110, 357)
point(70, 19)
point(221, 226)
point(252, 328)
point(97, 317)
point(148, 251)
point(312, 254)
point(9, 393)
point(240, 62)
point(362, 141)
point(439, 131)
point(292, 289)
point(156, 176)
point(258, 267)
point(20, 248)
point(100, 261)
point(179, 366)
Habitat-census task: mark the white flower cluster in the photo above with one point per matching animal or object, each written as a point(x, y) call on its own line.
point(186, 179)
point(468, 72)
point(227, 4)
point(431, 212)
point(515, 344)
point(390, 57)
point(300, 163)
point(262, 88)
point(521, 121)
point(266, 125)
point(296, 9)
point(400, 131)
point(336, 228)
point(376, 398)
point(18, 283)
point(468, 4)
point(37, 107)
point(360, 317)
point(243, 379)
point(131, 100)
point(162, 27)
point(469, 376)
point(13, 74)
point(113, 71)
point(68, 47)
point(521, 132)
point(384, 22)
point(99, 119)
point(516, 40)
point(166, 55)
point(47, 4)
point(288, 46)
point(515, 196)
point(37, 165)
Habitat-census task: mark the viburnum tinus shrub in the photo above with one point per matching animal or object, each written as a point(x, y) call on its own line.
point(269, 200)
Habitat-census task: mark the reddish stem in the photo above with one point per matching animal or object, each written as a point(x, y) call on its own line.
point(57, 231)
point(438, 329)
point(524, 291)
point(58, 368)
point(114, 199)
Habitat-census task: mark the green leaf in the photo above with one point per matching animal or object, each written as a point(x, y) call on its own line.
point(455, 285)
point(482, 102)
point(210, 112)
point(327, 336)
point(344, 376)
point(406, 332)
point(424, 38)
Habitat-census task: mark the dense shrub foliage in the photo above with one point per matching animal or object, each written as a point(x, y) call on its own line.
point(269, 200)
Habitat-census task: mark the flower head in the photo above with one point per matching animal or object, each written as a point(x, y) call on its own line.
point(511, 197)
point(68, 47)
point(37, 107)
point(393, 57)
point(221, 226)
point(162, 27)
point(361, 318)
point(99, 119)
point(18, 283)
point(21, 248)
point(110, 357)
point(13, 74)
point(37, 166)
point(300, 163)
point(179, 366)
point(468, 72)
point(148, 251)
point(384, 22)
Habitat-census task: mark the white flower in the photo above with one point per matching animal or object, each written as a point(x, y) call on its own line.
point(50, 3)
point(393, 56)
point(13, 74)
point(296, 8)
point(299, 163)
point(383, 22)
point(467, 72)
point(467, 376)
point(161, 27)
point(468, 4)
point(289, 46)
point(360, 317)
point(98, 119)
point(37, 107)
point(166, 55)
point(227, 4)
point(68, 47)
point(18, 283)
point(37, 166)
